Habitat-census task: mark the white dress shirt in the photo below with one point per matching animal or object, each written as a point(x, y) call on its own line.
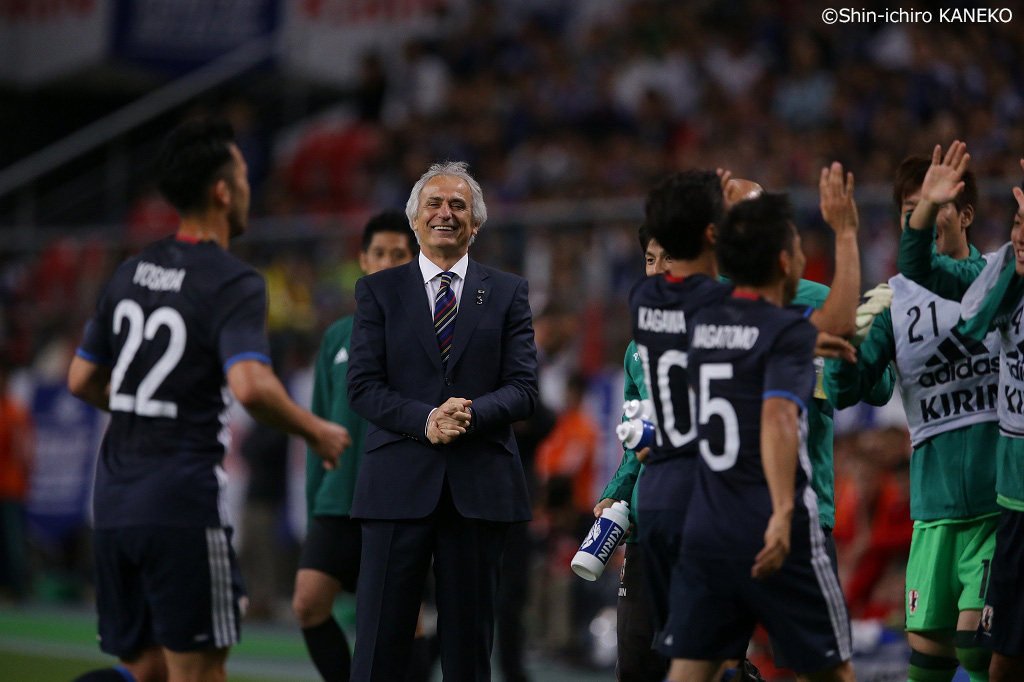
point(432, 279)
point(432, 283)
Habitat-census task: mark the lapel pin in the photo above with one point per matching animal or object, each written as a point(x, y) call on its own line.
point(479, 296)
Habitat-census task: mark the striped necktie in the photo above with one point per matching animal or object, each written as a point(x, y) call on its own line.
point(444, 316)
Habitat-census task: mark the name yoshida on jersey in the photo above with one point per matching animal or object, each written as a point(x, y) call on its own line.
point(171, 322)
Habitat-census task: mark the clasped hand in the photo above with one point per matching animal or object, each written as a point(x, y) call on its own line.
point(449, 420)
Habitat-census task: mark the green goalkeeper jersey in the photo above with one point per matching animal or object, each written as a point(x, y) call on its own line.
point(819, 436)
point(623, 484)
point(996, 301)
point(952, 474)
point(329, 493)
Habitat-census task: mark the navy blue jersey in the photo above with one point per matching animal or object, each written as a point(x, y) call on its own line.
point(743, 351)
point(661, 308)
point(170, 322)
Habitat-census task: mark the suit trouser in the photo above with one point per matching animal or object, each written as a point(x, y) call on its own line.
point(467, 557)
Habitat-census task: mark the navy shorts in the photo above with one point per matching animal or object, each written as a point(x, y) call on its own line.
point(716, 604)
point(333, 546)
point(1002, 620)
point(661, 533)
point(638, 661)
point(179, 588)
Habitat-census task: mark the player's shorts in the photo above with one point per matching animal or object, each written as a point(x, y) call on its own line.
point(1002, 618)
point(947, 572)
point(179, 588)
point(333, 546)
point(661, 533)
point(716, 604)
point(638, 661)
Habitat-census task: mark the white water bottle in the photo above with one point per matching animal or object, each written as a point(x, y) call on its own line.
point(604, 536)
point(637, 432)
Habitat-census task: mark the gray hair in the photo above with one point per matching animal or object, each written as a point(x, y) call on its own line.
point(459, 169)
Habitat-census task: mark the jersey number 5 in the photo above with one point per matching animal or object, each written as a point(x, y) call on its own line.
point(140, 328)
point(722, 408)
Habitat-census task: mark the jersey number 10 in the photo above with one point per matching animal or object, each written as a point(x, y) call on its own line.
point(709, 407)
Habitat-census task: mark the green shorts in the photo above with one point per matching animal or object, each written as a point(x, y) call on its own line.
point(947, 571)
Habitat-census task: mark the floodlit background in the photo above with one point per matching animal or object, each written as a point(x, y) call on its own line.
point(567, 111)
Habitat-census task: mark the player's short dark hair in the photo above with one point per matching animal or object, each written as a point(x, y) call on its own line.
point(751, 237)
point(194, 155)
point(389, 221)
point(680, 208)
point(644, 235)
point(910, 174)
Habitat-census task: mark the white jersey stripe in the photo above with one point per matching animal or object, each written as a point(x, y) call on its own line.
point(820, 560)
point(229, 601)
point(221, 594)
point(212, 551)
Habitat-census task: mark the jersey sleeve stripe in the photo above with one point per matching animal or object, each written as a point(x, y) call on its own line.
point(92, 358)
point(787, 395)
point(246, 356)
point(808, 312)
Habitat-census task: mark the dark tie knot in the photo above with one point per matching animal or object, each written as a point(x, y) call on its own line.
point(446, 279)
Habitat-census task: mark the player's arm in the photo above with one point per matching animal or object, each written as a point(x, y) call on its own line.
point(625, 477)
point(261, 393)
point(780, 439)
point(240, 314)
point(838, 208)
point(871, 378)
point(90, 381)
point(940, 274)
point(941, 185)
point(788, 380)
point(992, 298)
point(92, 365)
point(320, 405)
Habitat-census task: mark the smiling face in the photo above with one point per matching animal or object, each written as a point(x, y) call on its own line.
point(444, 222)
point(1017, 237)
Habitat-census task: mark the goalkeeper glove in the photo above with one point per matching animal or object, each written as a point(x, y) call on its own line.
point(875, 301)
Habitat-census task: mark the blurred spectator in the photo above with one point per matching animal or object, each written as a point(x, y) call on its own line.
point(873, 524)
point(514, 589)
point(803, 96)
point(67, 437)
point(565, 459)
point(15, 465)
point(555, 331)
point(150, 218)
point(265, 450)
point(420, 85)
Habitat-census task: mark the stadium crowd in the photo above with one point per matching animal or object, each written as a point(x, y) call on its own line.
point(552, 101)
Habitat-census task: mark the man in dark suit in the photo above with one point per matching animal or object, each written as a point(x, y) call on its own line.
point(441, 476)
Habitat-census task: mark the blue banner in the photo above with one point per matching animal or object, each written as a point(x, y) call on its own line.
point(67, 433)
point(179, 35)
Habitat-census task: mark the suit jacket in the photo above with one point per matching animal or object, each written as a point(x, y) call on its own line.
point(395, 379)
